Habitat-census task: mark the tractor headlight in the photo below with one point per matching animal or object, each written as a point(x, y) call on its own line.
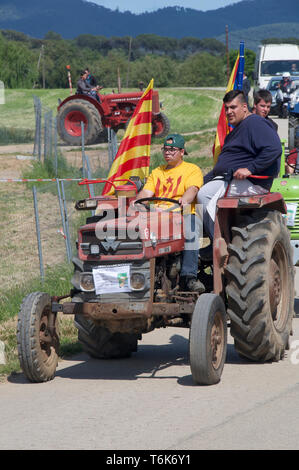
point(94, 249)
point(86, 282)
point(85, 204)
point(137, 281)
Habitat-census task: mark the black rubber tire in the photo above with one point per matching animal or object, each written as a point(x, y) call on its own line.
point(260, 285)
point(285, 112)
point(94, 132)
point(163, 123)
point(38, 359)
point(208, 340)
point(293, 141)
point(100, 343)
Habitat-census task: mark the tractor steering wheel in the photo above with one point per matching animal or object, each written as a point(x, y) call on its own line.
point(166, 199)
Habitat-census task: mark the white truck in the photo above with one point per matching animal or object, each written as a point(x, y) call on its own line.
point(274, 59)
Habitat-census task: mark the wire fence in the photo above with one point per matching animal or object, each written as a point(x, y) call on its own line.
point(47, 147)
point(38, 229)
point(39, 223)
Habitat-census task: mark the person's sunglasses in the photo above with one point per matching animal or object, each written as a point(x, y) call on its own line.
point(170, 149)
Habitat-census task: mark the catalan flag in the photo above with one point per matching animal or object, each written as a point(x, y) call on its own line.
point(133, 156)
point(235, 83)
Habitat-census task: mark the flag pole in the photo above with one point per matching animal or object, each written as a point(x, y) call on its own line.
point(239, 81)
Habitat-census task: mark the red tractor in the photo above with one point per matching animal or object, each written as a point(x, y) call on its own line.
point(125, 284)
point(113, 110)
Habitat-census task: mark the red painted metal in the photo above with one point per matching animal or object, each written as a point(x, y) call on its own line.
point(115, 109)
point(72, 123)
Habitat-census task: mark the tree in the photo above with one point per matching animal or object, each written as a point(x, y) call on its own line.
point(249, 61)
point(202, 69)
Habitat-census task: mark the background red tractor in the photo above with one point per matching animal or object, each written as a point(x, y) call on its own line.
point(114, 110)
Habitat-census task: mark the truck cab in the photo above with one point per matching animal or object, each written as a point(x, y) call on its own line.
point(274, 59)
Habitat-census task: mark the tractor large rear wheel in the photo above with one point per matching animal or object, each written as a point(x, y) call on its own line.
point(293, 132)
point(69, 120)
point(100, 343)
point(260, 285)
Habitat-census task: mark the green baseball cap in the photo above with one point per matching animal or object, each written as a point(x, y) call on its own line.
point(177, 140)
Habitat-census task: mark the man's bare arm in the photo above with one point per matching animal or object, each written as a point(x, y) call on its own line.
point(189, 195)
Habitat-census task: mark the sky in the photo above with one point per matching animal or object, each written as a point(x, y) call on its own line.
point(137, 6)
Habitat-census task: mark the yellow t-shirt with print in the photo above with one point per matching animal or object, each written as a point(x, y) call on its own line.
point(173, 182)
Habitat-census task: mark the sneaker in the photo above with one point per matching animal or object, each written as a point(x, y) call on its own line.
point(192, 284)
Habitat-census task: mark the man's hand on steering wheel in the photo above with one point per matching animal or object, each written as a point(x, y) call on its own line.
point(145, 200)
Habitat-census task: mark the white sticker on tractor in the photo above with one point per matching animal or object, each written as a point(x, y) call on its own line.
point(112, 279)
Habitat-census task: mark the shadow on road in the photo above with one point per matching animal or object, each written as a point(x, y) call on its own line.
point(150, 362)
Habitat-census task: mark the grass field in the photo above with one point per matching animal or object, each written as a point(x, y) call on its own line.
point(189, 110)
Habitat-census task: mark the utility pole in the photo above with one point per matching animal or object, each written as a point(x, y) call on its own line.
point(118, 81)
point(38, 64)
point(227, 53)
point(44, 69)
point(129, 58)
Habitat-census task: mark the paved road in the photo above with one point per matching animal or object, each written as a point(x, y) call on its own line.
point(149, 402)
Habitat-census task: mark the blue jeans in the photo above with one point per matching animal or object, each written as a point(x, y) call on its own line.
point(192, 232)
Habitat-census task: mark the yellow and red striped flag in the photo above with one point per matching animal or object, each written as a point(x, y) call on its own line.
point(133, 156)
point(222, 126)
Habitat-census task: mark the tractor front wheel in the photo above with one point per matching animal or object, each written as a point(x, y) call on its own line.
point(38, 338)
point(208, 340)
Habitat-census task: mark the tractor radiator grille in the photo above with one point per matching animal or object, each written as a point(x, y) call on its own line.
point(113, 245)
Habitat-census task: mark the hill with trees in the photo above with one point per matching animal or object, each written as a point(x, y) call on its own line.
point(41, 63)
point(28, 62)
point(71, 18)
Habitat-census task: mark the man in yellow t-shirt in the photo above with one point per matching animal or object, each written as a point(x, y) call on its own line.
point(181, 181)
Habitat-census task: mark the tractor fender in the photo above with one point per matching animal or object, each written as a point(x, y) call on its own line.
point(273, 201)
point(102, 107)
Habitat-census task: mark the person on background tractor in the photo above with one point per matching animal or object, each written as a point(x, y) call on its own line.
point(180, 180)
point(286, 85)
point(90, 79)
point(84, 88)
point(286, 82)
point(251, 148)
point(262, 100)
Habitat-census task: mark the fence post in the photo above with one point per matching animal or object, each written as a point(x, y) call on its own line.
point(83, 149)
point(63, 220)
point(68, 238)
point(45, 136)
point(55, 146)
point(38, 125)
point(50, 132)
point(40, 131)
point(112, 145)
point(39, 245)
